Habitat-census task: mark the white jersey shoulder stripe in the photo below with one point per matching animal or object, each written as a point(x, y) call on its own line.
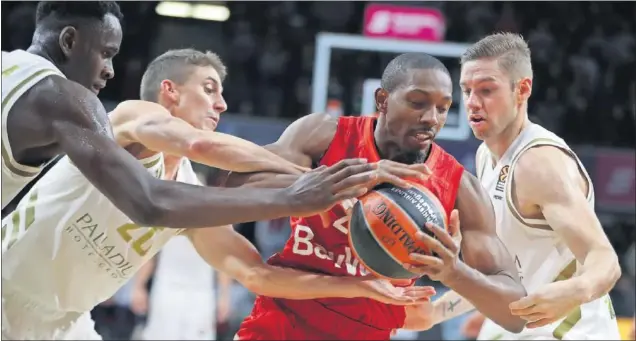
point(19, 225)
point(7, 156)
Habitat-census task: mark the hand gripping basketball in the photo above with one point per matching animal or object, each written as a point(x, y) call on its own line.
point(394, 172)
point(445, 245)
point(320, 189)
point(386, 171)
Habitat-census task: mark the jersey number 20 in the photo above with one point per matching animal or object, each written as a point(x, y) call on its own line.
point(142, 244)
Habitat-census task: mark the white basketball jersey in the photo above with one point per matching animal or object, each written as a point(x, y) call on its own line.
point(540, 255)
point(21, 70)
point(69, 248)
point(179, 265)
point(182, 300)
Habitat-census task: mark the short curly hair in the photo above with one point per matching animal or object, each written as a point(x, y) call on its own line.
point(396, 73)
point(71, 10)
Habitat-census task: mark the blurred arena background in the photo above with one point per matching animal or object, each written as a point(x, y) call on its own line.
point(287, 59)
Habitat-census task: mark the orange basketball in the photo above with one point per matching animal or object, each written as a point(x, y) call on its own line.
point(383, 226)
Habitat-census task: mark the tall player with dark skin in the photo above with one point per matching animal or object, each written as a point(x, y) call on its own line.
point(413, 105)
point(59, 115)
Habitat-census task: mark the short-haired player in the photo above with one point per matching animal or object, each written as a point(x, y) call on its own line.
point(544, 204)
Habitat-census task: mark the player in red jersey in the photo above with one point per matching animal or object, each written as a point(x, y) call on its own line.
point(413, 103)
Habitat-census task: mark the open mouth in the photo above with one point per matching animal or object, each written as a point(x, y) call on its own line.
point(474, 119)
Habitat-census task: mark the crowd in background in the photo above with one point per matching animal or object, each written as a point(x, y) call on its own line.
point(583, 73)
point(584, 60)
point(583, 56)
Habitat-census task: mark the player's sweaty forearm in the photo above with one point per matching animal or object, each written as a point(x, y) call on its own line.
point(154, 127)
point(229, 252)
point(261, 180)
point(272, 281)
point(232, 153)
point(223, 178)
point(597, 276)
point(185, 206)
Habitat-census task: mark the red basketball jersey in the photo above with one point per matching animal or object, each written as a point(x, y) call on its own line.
point(325, 249)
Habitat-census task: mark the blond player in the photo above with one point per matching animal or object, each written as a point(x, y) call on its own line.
point(69, 247)
point(544, 204)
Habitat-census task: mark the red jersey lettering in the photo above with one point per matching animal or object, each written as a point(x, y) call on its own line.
point(325, 249)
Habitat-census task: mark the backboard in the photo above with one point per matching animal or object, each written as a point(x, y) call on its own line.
point(329, 45)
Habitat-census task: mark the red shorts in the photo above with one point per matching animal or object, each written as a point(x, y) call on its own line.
point(331, 319)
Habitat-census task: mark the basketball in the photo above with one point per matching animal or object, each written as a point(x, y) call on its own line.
point(383, 226)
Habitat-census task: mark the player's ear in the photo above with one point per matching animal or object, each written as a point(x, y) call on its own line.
point(67, 39)
point(381, 98)
point(168, 89)
point(524, 89)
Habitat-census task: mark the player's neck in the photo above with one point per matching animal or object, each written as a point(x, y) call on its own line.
point(41, 50)
point(499, 144)
point(385, 147)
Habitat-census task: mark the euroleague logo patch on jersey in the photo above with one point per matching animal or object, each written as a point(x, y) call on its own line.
point(503, 175)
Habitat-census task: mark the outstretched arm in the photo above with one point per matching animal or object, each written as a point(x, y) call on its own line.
point(303, 142)
point(229, 252)
point(222, 178)
point(82, 129)
point(559, 189)
point(153, 126)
